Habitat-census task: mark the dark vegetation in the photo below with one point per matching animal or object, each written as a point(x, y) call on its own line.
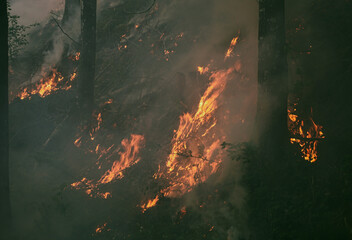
point(292, 198)
point(5, 215)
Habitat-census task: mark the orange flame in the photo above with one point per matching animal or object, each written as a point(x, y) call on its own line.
point(75, 57)
point(202, 70)
point(127, 159)
point(306, 135)
point(195, 152)
point(149, 204)
point(99, 229)
point(194, 156)
point(47, 85)
point(231, 48)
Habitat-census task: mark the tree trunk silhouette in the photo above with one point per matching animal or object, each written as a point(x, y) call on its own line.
point(86, 69)
point(4, 126)
point(271, 123)
point(271, 117)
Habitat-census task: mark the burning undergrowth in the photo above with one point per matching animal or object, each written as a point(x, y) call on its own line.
point(49, 83)
point(111, 159)
point(195, 152)
point(168, 95)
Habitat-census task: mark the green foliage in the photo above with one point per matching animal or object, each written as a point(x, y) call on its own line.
point(17, 35)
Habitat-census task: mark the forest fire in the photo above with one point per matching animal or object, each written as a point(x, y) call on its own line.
point(194, 156)
point(90, 188)
point(47, 85)
point(127, 159)
point(196, 151)
point(202, 70)
point(176, 120)
point(231, 48)
point(50, 83)
point(306, 134)
point(149, 204)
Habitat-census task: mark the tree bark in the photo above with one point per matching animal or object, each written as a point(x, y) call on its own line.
point(5, 216)
point(86, 69)
point(271, 119)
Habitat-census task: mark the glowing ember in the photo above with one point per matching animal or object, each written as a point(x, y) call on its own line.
point(231, 48)
point(202, 70)
point(149, 204)
point(75, 57)
point(183, 212)
point(99, 229)
point(305, 133)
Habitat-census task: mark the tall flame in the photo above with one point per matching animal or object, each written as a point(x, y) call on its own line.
point(195, 152)
point(196, 149)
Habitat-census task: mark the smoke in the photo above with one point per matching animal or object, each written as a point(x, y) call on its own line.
point(208, 27)
point(147, 63)
point(34, 11)
point(61, 45)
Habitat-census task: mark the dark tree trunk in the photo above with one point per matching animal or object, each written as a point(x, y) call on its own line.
point(71, 8)
point(86, 70)
point(271, 117)
point(4, 126)
point(270, 168)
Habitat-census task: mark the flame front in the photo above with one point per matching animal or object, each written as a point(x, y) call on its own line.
point(50, 83)
point(47, 85)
